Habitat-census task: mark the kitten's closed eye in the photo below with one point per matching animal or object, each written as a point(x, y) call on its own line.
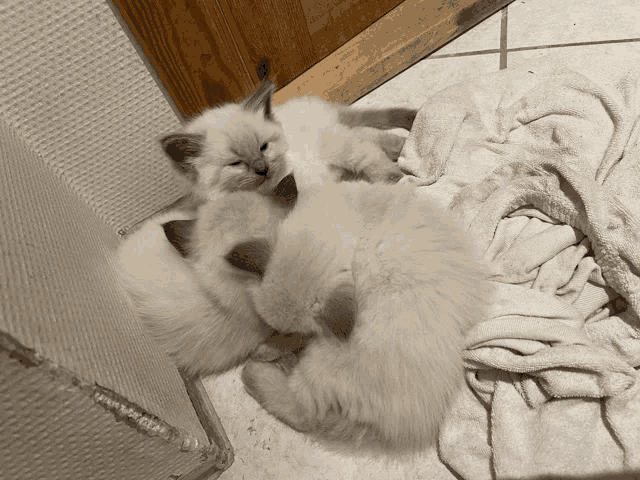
point(264, 146)
point(234, 163)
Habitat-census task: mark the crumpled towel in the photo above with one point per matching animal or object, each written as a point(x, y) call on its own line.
point(542, 165)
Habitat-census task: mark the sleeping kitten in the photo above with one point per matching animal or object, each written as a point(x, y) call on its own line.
point(248, 145)
point(389, 293)
point(191, 301)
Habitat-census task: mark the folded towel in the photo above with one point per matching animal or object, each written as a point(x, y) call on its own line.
point(542, 166)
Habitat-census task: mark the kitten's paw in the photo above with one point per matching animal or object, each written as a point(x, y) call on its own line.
point(394, 176)
point(263, 380)
point(392, 145)
point(269, 386)
point(251, 380)
point(381, 170)
point(387, 172)
point(411, 182)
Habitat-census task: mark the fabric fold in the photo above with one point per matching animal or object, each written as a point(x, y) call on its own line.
point(533, 163)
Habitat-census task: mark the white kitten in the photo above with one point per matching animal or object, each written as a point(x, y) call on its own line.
point(190, 299)
point(388, 285)
point(251, 146)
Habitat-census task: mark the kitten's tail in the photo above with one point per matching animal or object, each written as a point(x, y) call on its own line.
point(381, 118)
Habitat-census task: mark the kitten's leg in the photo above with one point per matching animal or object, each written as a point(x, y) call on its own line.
point(391, 143)
point(372, 161)
point(266, 353)
point(306, 396)
point(268, 384)
point(382, 118)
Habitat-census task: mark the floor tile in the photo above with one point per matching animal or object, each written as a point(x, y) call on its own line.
point(426, 78)
point(549, 22)
point(484, 36)
point(601, 63)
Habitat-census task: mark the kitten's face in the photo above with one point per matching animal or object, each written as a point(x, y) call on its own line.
point(234, 147)
point(247, 152)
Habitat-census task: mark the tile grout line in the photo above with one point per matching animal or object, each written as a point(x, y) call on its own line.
point(534, 47)
point(575, 44)
point(503, 38)
point(464, 54)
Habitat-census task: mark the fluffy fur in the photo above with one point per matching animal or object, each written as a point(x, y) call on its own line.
point(251, 146)
point(329, 142)
point(231, 147)
point(198, 308)
point(388, 285)
point(233, 156)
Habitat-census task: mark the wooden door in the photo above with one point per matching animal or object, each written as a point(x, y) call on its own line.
point(206, 52)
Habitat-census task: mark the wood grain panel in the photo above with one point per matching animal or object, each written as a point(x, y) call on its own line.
point(398, 40)
point(192, 49)
point(277, 30)
point(332, 23)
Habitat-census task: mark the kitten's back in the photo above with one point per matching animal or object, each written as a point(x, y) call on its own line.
point(311, 259)
point(419, 290)
point(387, 386)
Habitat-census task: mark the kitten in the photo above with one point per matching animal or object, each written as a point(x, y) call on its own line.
point(248, 145)
point(389, 293)
point(191, 300)
point(232, 147)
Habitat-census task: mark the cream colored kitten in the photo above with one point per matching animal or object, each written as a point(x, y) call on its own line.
point(232, 147)
point(388, 285)
point(190, 299)
point(329, 142)
point(196, 307)
point(251, 146)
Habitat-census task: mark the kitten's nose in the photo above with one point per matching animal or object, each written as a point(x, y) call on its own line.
point(260, 167)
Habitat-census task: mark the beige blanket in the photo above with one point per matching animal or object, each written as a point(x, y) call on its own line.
point(543, 166)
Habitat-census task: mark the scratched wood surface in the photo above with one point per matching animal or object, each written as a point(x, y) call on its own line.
point(206, 51)
point(277, 30)
point(398, 40)
point(332, 23)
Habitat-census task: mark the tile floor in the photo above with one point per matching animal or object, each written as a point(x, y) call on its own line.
point(581, 33)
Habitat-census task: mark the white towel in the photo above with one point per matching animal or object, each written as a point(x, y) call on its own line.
point(542, 165)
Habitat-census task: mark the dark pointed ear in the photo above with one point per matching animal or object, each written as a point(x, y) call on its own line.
point(251, 256)
point(286, 192)
point(178, 233)
point(260, 100)
point(339, 313)
point(182, 148)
